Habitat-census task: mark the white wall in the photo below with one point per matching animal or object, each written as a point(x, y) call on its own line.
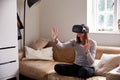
point(32, 21)
point(106, 39)
point(65, 13)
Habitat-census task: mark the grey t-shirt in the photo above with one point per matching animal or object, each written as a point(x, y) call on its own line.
point(81, 57)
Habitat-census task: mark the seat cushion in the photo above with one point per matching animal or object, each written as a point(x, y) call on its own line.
point(97, 78)
point(44, 70)
point(55, 76)
point(33, 68)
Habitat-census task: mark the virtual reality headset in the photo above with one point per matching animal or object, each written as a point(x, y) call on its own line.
point(80, 29)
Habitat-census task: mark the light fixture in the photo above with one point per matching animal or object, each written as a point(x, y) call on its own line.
point(30, 4)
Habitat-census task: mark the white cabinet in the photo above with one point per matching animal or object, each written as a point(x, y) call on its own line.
point(8, 39)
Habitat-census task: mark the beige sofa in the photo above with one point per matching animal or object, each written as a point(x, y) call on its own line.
point(44, 70)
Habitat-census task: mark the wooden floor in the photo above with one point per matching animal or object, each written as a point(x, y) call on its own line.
point(12, 78)
point(21, 77)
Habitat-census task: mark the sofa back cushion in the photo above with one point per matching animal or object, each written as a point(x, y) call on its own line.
point(39, 44)
point(62, 54)
point(68, 54)
point(106, 49)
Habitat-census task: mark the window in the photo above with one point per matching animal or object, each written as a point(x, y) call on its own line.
point(103, 15)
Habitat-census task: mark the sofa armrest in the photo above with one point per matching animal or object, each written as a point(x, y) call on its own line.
point(21, 55)
point(106, 49)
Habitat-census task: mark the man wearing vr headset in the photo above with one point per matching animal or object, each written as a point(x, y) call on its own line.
point(85, 49)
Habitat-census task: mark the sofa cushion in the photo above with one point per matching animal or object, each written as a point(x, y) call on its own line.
point(39, 44)
point(62, 54)
point(107, 63)
point(43, 54)
point(96, 62)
